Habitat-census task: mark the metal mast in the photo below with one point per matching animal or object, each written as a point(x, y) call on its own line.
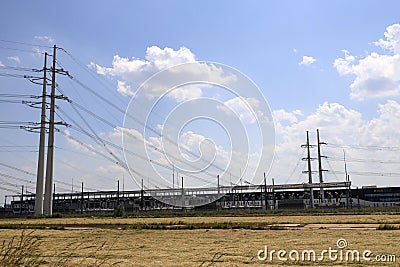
point(320, 170)
point(42, 139)
point(48, 196)
point(309, 171)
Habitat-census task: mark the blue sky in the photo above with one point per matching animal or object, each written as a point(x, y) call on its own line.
point(265, 40)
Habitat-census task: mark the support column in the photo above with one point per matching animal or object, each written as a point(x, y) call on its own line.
point(309, 172)
point(48, 197)
point(320, 170)
point(42, 139)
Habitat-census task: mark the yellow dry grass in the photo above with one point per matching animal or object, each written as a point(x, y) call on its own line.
point(269, 219)
point(203, 247)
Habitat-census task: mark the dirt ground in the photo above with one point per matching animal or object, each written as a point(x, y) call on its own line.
point(104, 246)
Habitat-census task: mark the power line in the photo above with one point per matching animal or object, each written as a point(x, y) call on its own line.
point(146, 126)
point(128, 115)
point(383, 174)
point(33, 174)
point(392, 148)
point(25, 43)
point(297, 165)
point(20, 68)
point(21, 50)
point(361, 160)
point(15, 178)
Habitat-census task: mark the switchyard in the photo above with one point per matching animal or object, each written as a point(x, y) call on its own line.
point(288, 196)
point(317, 192)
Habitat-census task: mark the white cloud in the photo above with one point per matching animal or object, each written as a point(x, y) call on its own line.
point(77, 145)
point(392, 39)
point(384, 130)
point(186, 93)
point(1, 64)
point(164, 58)
point(307, 61)
point(133, 72)
point(132, 133)
point(342, 65)
point(282, 115)
point(110, 169)
point(136, 70)
point(47, 39)
point(376, 75)
point(339, 126)
point(243, 108)
point(124, 89)
point(15, 58)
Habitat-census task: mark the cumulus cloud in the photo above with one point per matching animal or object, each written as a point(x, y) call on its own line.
point(44, 38)
point(376, 75)
point(339, 126)
point(392, 39)
point(247, 109)
point(124, 89)
point(243, 108)
point(15, 59)
point(282, 115)
point(77, 144)
point(307, 61)
point(186, 93)
point(383, 130)
point(136, 70)
point(1, 64)
point(131, 73)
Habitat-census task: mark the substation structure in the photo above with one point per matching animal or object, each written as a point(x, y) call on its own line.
point(269, 197)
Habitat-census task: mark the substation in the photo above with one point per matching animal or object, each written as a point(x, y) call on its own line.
point(272, 197)
point(308, 195)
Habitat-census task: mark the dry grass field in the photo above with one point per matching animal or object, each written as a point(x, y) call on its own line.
point(200, 241)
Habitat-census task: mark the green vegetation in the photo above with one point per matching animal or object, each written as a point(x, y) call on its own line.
point(120, 211)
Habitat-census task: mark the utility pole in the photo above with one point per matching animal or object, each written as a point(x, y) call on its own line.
point(141, 197)
point(48, 196)
point(123, 186)
point(309, 171)
point(320, 170)
point(273, 192)
point(22, 200)
point(82, 199)
point(347, 179)
point(42, 139)
point(117, 192)
point(218, 185)
point(183, 195)
point(54, 196)
point(265, 192)
point(218, 201)
point(173, 176)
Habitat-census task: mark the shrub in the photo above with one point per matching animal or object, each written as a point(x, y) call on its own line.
point(119, 211)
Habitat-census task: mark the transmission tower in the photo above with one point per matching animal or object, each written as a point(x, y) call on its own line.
point(309, 170)
point(320, 170)
point(45, 206)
